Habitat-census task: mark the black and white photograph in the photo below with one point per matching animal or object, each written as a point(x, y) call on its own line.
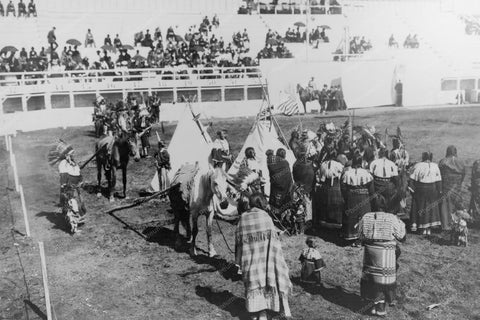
point(239, 159)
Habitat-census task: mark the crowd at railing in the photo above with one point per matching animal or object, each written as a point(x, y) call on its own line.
point(198, 48)
point(291, 7)
point(23, 10)
point(274, 47)
point(124, 74)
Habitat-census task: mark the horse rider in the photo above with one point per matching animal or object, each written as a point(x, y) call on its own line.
point(311, 87)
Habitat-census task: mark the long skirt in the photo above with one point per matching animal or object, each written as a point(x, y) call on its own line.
point(163, 181)
point(379, 275)
point(451, 199)
point(357, 204)
point(331, 205)
point(386, 189)
point(425, 209)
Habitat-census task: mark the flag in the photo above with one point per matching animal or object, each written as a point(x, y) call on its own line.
point(289, 106)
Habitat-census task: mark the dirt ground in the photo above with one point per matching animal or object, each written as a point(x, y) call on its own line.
point(123, 266)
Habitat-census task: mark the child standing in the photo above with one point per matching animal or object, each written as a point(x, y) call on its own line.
point(312, 263)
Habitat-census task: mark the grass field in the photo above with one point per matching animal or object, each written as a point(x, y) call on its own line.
point(111, 270)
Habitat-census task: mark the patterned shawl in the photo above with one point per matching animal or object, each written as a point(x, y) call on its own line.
point(259, 253)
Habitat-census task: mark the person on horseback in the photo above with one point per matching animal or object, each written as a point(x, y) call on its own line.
point(311, 87)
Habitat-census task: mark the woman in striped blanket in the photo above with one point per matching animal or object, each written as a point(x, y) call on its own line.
point(259, 254)
point(379, 233)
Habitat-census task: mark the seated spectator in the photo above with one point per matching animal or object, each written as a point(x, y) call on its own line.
point(157, 36)
point(89, 41)
point(23, 53)
point(33, 53)
point(22, 9)
point(42, 53)
point(11, 8)
point(107, 41)
point(147, 40)
point(32, 9)
point(117, 42)
point(392, 42)
point(2, 10)
point(215, 21)
point(406, 43)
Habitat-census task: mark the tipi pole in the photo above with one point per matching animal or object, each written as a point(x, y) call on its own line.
point(196, 117)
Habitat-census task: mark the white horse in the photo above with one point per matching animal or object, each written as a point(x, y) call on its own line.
point(197, 193)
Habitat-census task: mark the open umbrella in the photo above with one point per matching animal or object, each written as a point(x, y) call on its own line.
point(127, 47)
point(8, 49)
point(324, 26)
point(74, 42)
point(178, 38)
point(139, 58)
point(299, 24)
point(109, 48)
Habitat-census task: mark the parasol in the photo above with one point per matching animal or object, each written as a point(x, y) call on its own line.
point(74, 42)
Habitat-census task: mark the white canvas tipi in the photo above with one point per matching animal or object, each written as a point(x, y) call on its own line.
point(262, 136)
point(190, 143)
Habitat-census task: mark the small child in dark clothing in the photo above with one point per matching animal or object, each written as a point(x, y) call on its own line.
point(312, 263)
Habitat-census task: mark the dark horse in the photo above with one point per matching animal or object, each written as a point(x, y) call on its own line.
point(306, 95)
point(114, 154)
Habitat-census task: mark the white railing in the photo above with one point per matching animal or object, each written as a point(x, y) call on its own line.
point(111, 75)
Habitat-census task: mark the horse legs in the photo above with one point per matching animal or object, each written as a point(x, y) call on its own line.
point(193, 250)
point(209, 221)
point(124, 179)
point(176, 231)
point(111, 183)
point(99, 178)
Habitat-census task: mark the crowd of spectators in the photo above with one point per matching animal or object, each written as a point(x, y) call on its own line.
point(292, 7)
point(359, 45)
point(274, 47)
point(472, 25)
point(294, 35)
point(22, 10)
point(199, 47)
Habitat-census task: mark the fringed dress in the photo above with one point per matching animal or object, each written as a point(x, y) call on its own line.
point(329, 194)
point(453, 173)
point(258, 252)
point(358, 192)
point(379, 233)
point(426, 182)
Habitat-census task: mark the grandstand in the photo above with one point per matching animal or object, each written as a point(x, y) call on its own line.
point(445, 63)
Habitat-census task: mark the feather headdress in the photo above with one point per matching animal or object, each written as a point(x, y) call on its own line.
point(58, 152)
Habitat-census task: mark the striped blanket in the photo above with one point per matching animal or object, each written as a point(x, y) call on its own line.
point(381, 226)
point(260, 256)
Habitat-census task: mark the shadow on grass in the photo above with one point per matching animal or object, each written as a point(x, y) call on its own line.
point(57, 219)
point(35, 309)
point(224, 300)
point(336, 295)
point(329, 235)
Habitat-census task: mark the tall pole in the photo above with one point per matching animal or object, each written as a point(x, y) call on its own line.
point(307, 24)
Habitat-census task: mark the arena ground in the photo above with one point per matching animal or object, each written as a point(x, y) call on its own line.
point(123, 266)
